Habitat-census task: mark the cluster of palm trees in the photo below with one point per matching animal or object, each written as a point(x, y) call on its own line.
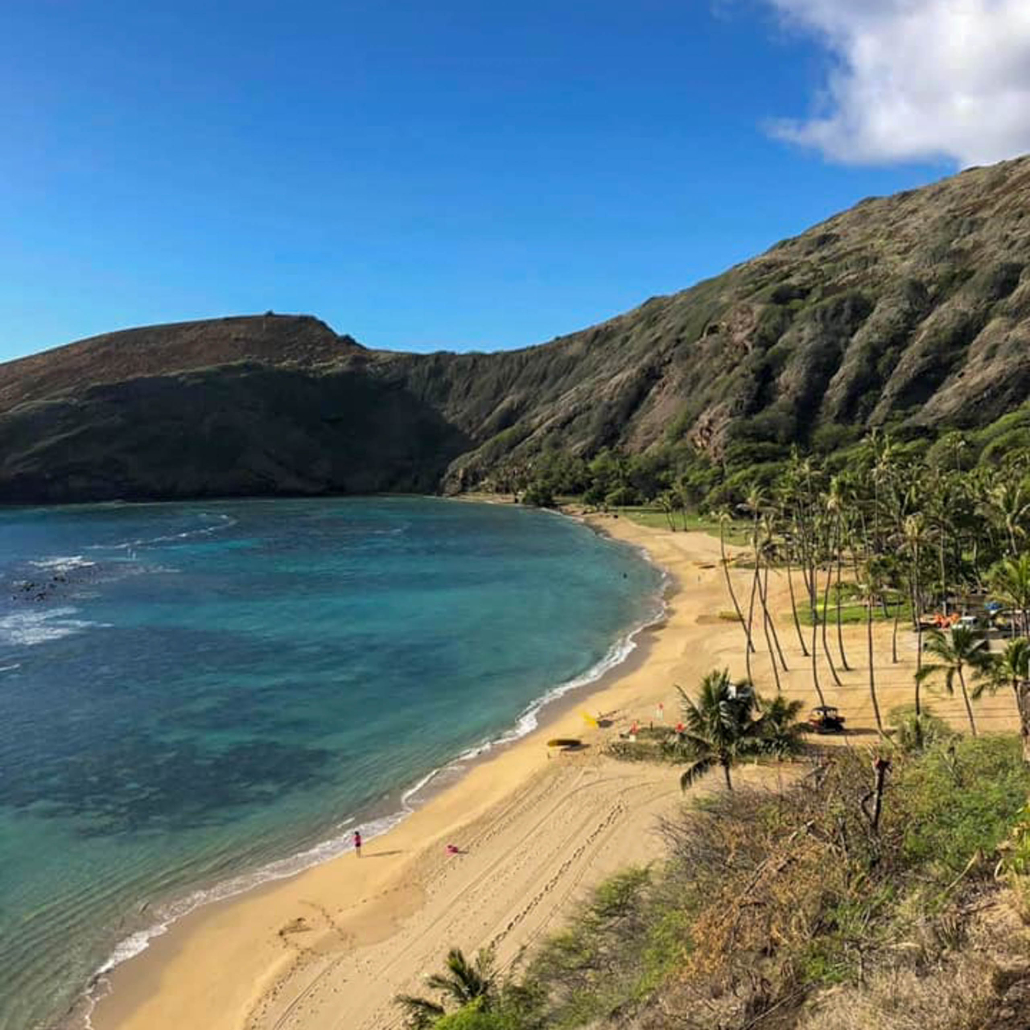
point(911, 540)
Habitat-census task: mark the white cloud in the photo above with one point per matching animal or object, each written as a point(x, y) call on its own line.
point(917, 79)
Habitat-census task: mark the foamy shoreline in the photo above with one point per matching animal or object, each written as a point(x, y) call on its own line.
point(539, 713)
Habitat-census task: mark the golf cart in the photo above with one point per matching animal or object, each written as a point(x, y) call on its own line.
point(826, 719)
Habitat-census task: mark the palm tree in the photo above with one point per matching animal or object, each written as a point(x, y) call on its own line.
point(667, 506)
point(873, 588)
point(1012, 668)
point(1008, 502)
point(802, 472)
point(962, 650)
point(462, 983)
point(1010, 579)
point(762, 545)
point(826, 601)
point(837, 499)
point(884, 475)
point(789, 535)
point(682, 500)
point(753, 504)
point(892, 580)
point(912, 529)
point(719, 726)
point(768, 554)
point(781, 733)
point(724, 517)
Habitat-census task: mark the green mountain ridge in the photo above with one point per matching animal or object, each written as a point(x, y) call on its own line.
point(911, 311)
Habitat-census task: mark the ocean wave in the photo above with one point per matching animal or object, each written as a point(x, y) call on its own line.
point(27, 629)
point(63, 563)
point(225, 522)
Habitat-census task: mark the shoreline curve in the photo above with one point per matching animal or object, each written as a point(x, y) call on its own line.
point(538, 714)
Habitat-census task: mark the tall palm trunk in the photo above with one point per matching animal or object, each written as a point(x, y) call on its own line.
point(726, 772)
point(826, 608)
point(840, 631)
point(751, 617)
point(756, 586)
point(872, 669)
point(815, 627)
point(917, 618)
point(1022, 691)
point(969, 704)
point(729, 587)
point(976, 563)
point(763, 589)
point(765, 621)
point(808, 570)
point(794, 607)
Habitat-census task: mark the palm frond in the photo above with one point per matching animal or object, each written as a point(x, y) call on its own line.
point(927, 671)
point(700, 768)
point(420, 1013)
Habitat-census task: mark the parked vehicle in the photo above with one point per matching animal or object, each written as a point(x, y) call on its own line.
point(826, 719)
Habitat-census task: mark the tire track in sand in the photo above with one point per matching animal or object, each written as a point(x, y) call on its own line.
point(555, 837)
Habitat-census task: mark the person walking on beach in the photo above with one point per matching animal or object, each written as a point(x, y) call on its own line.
point(357, 843)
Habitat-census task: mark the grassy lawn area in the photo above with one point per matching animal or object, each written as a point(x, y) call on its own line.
point(851, 614)
point(655, 518)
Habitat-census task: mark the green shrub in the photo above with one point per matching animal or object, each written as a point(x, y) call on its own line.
point(622, 496)
point(539, 495)
point(960, 799)
point(472, 1017)
point(918, 733)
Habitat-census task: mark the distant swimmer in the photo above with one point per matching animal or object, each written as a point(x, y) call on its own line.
point(357, 843)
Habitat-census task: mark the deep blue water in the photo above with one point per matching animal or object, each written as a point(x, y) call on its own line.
point(196, 696)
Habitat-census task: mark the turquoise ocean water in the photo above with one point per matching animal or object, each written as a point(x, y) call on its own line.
point(198, 697)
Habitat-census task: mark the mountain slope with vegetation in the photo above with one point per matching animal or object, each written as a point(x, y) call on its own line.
point(911, 311)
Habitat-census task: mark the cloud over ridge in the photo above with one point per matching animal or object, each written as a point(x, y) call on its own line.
point(917, 79)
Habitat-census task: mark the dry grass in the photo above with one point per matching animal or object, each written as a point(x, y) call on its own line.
point(799, 914)
point(957, 995)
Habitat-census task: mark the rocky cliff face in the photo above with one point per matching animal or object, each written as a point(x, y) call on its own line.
point(910, 309)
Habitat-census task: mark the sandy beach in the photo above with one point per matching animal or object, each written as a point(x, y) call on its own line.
point(329, 948)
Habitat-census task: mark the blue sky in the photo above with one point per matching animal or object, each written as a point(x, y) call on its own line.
point(451, 175)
